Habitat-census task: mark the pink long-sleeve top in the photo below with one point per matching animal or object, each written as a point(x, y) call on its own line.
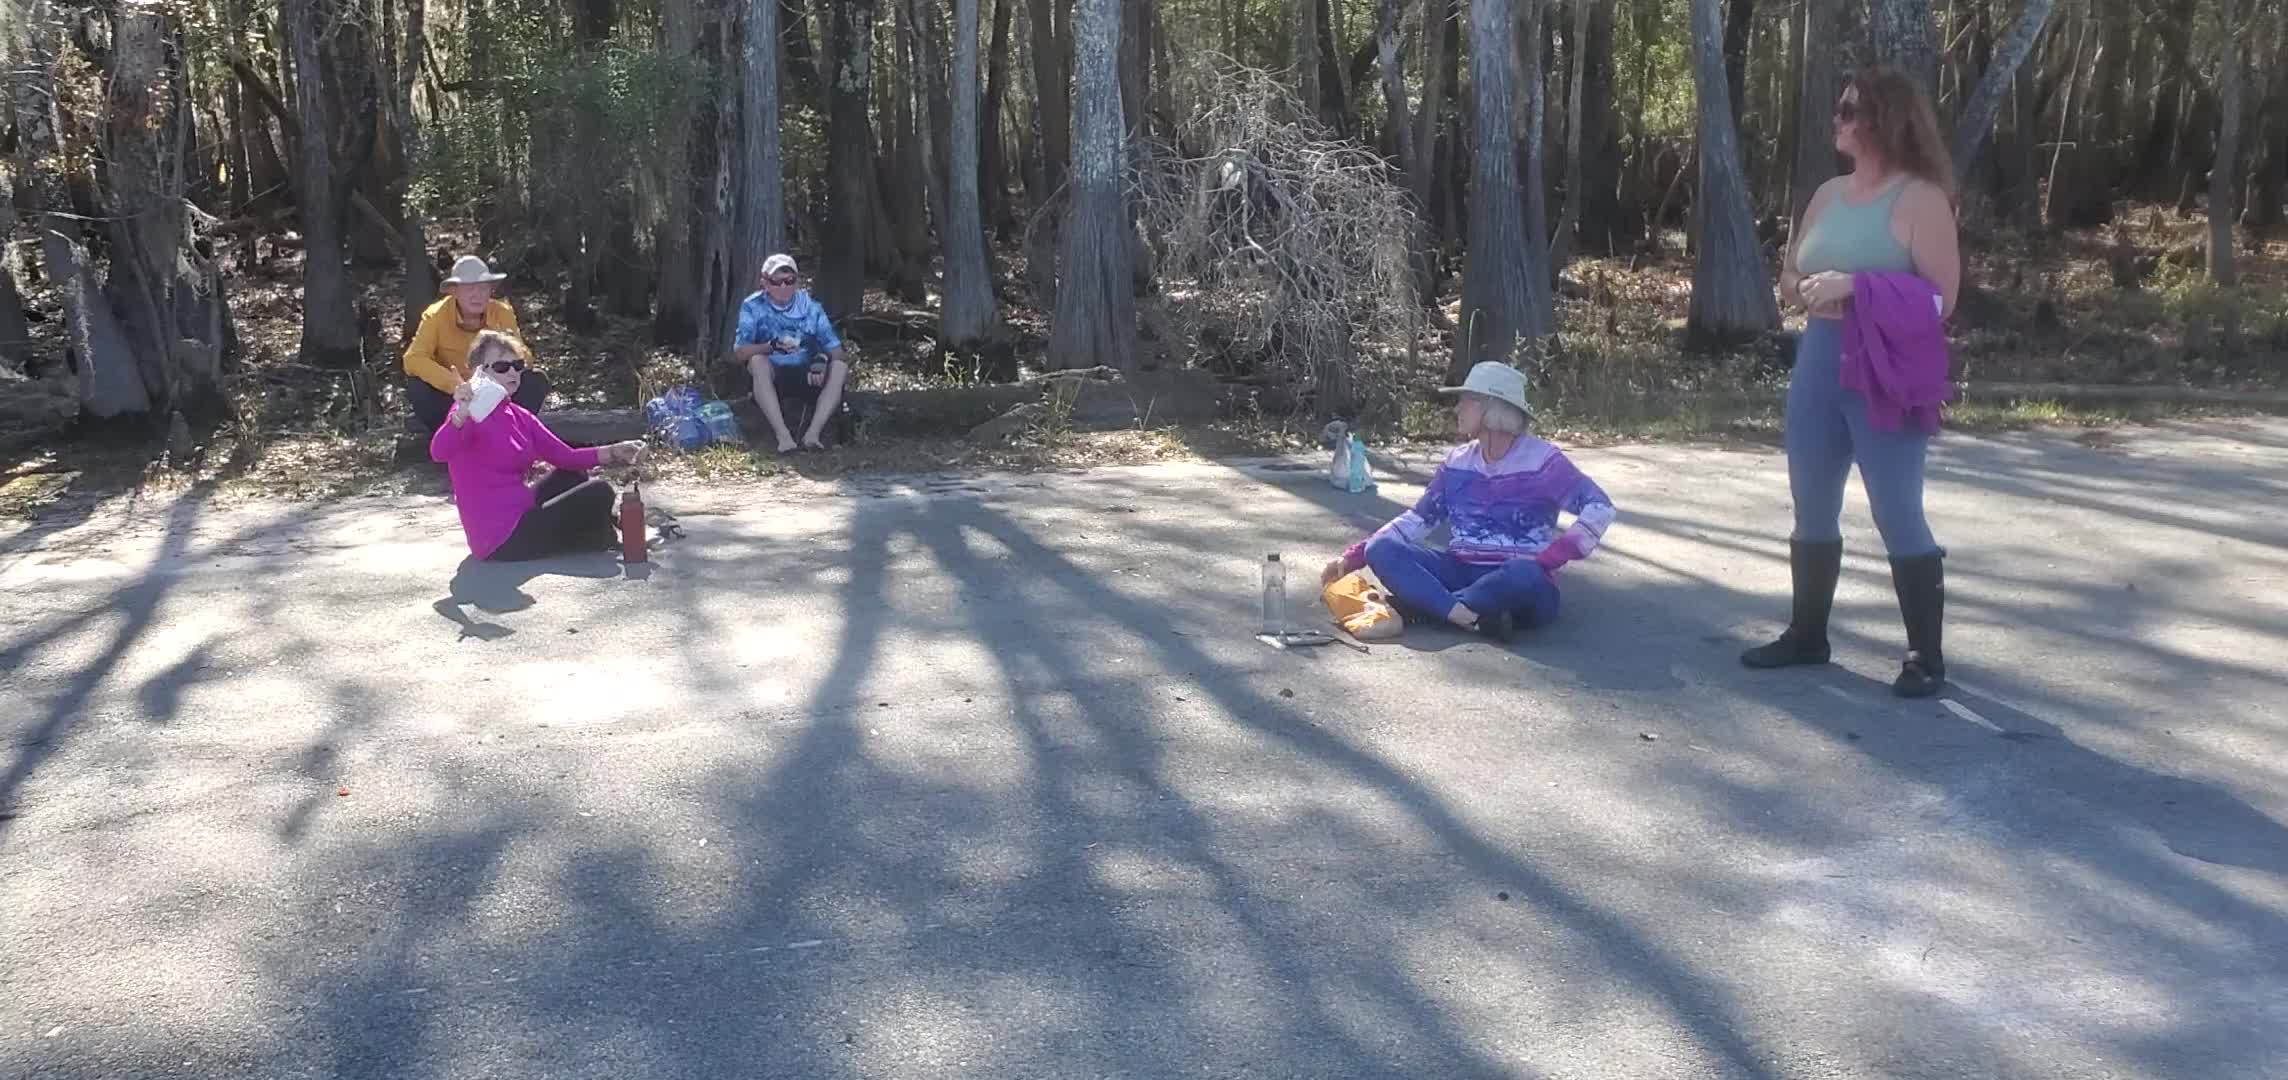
point(487, 460)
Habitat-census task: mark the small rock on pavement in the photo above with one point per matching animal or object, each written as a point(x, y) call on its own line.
point(1286, 692)
point(1502, 896)
point(1648, 736)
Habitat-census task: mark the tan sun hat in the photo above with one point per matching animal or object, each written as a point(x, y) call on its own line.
point(470, 270)
point(1496, 380)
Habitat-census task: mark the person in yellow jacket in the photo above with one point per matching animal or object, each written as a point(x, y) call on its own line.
point(438, 360)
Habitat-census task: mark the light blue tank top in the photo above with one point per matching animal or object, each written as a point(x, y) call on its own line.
point(1855, 238)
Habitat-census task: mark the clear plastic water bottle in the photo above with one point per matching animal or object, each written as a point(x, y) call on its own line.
point(1274, 594)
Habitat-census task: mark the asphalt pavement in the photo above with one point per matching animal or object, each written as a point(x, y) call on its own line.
point(986, 776)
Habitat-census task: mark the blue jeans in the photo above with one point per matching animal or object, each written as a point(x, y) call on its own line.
point(1828, 429)
point(1427, 582)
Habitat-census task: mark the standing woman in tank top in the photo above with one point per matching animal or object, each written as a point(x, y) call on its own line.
point(1893, 212)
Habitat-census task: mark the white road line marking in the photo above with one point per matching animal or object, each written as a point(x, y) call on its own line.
point(1964, 711)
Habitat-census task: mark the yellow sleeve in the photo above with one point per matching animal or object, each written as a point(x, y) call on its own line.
point(508, 318)
point(421, 356)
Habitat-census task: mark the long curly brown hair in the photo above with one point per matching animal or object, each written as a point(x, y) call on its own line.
point(1897, 121)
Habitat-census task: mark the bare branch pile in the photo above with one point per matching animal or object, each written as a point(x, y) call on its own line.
point(1281, 249)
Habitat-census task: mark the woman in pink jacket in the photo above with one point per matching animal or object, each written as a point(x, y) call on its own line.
point(487, 459)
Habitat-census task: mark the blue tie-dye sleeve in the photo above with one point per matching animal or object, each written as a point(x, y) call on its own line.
point(822, 328)
point(750, 324)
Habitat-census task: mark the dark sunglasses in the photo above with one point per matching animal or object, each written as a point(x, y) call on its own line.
point(782, 281)
point(503, 367)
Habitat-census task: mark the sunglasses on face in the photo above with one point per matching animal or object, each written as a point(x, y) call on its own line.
point(503, 367)
point(782, 282)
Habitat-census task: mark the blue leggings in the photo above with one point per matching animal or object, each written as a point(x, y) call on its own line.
point(1828, 429)
point(1429, 583)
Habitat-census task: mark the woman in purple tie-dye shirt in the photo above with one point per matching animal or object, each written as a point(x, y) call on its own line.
point(1501, 493)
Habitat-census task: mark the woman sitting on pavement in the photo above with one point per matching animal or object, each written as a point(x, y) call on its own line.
point(1501, 492)
point(487, 459)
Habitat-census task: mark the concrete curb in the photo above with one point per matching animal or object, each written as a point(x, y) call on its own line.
point(2166, 395)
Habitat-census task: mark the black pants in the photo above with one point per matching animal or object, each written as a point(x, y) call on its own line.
point(431, 404)
point(582, 522)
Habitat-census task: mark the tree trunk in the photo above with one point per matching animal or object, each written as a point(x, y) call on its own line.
point(2162, 127)
point(1388, 14)
point(801, 55)
point(2101, 121)
point(1334, 79)
point(2268, 175)
point(1452, 178)
point(1739, 20)
point(1533, 138)
point(1906, 34)
point(675, 311)
point(110, 379)
point(934, 53)
point(2224, 172)
point(1096, 304)
point(1303, 55)
point(1052, 90)
point(1423, 174)
point(762, 176)
point(1577, 118)
point(969, 319)
point(1606, 226)
point(420, 285)
point(850, 152)
point(720, 290)
point(1731, 292)
point(1977, 117)
point(932, 119)
point(581, 219)
point(909, 187)
point(1163, 88)
point(993, 169)
point(1499, 317)
point(335, 103)
point(2072, 200)
point(15, 332)
point(153, 340)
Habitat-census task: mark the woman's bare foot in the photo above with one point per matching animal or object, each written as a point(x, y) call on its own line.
point(1462, 616)
point(811, 443)
point(786, 444)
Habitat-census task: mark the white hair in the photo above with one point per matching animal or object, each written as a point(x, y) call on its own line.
point(1501, 417)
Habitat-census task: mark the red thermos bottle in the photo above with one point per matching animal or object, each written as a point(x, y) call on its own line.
point(632, 524)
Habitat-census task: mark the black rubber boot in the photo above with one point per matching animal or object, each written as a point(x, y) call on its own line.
point(1920, 581)
point(1814, 565)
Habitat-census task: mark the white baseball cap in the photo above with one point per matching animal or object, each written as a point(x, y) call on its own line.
point(1496, 380)
point(778, 262)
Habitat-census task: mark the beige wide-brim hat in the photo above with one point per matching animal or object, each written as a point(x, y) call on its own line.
point(470, 270)
point(1496, 380)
